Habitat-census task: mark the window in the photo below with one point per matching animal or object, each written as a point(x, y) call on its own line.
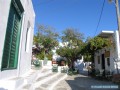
point(12, 38)
point(98, 59)
point(108, 61)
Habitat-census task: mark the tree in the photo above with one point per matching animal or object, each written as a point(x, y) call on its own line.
point(45, 39)
point(93, 44)
point(72, 51)
point(72, 36)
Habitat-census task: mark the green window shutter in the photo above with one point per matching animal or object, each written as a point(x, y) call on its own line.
point(6, 53)
point(11, 45)
point(14, 45)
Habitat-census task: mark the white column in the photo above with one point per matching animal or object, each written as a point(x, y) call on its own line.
point(117, 45)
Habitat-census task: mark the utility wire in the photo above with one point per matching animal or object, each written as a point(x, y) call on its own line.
point(100, 17)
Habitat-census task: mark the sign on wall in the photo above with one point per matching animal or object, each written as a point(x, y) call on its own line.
point(107, 54)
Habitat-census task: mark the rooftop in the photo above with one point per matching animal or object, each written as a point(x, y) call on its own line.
point(106, 34)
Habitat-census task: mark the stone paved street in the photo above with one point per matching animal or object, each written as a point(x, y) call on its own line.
point(83, 82)
point(47, 80)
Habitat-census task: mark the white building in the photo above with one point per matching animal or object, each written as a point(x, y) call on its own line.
point(106, 58)
point(55, 55)
point(16, 36)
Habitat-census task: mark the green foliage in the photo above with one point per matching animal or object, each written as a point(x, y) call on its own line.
point(87, 57)
point(97, 43)
point(93, 44)
point(46, 39)
point(72, 72)
point(64, 70)
point(54, 68)
point(37, 63)
point(72, 34)
point(71, 54)
point(49, 56)
point(72, 51)
point(40, 55)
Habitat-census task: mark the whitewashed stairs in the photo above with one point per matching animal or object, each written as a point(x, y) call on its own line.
point(45, 80)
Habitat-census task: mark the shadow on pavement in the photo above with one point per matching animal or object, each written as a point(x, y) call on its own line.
point(3, 89)
point(83, 82)
point(85, 73)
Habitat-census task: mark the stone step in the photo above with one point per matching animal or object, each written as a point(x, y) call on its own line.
point(55, 78)
point(43, 73)
point(50, 84)
point(45, 70)
point(45, 79)
point(11, 84)
point(28, 85)
point(29, 78)
point(44, 76)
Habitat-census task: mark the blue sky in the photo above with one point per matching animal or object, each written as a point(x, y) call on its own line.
point(80, 14)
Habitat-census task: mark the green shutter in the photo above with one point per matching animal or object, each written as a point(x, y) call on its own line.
point(14, 45)
point(6, 53)
point(11, 45)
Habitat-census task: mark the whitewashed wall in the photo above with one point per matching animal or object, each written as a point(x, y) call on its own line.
point(97, 66)
point(3, 24)
point(4, 8)
point(114, 53)
point(25, 56)
point(24, 59)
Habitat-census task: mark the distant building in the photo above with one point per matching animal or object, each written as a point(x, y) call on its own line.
point(108, 58)
point(16, 36)
point(55, 56)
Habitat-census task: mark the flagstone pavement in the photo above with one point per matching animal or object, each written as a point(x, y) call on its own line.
point(84, 82)
point(60, 81)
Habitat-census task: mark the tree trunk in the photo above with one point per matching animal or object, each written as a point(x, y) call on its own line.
point(72, 64)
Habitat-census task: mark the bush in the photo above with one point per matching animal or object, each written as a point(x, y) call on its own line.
point(40, 55)
point(37, 63)
point(63, 70)
point(55, 68)
point(72, 72)
point(49, 56)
